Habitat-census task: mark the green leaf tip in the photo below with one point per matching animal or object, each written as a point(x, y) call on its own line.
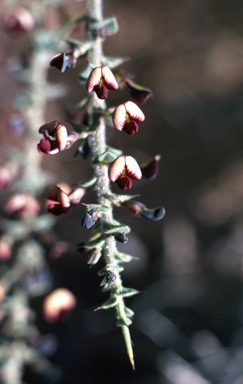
point(128, 343)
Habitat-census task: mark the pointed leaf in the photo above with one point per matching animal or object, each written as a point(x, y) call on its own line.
point(94, 243)
point(127, 292)
point(129, 313)
point(82, 46)
point(108, 156)
point(86, 184)
point(123, 322)
point(113, 62)
point(117, 229)
point(110, 25)
point(125, 257)
point(97, 207)
point(108, 304)
point(110, 267)
point(83, 76)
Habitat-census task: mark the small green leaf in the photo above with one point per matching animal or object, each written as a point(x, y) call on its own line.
point(108, 156)
point(122, 322)
point(129, 313)
point(125, 257)
point(96, 243)
point(110, 267)
point(127, 292)
point(113, 62)
point(113, 229)
point(110, 25)
point(83, 76)
point(108, 304)
point(89, 183)
point(97, 207)
point(82, 46)
point(81, 104)
point(119, 199)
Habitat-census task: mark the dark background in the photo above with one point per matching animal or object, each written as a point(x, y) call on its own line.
point(188, 318)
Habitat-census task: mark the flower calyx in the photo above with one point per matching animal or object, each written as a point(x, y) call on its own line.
point(150, 168)
point(139, 93)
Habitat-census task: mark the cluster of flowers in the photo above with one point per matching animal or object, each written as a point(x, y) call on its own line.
point(125, 117)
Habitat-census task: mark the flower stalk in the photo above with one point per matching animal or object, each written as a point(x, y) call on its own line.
point(99, 146)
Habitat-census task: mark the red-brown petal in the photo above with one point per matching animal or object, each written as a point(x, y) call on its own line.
point(117, 168)
point(109, 78)
point(94, 79)
point(119, 117)
point(132, 168)
point(134, 111)
point(124, 183)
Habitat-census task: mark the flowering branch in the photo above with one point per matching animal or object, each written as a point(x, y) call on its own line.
point(109, 164)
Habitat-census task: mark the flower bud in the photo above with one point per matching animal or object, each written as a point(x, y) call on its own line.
point(90, 218)
point(140, 210)
point(139, 93)
point(150, 168)
point(63, 61)
point(100, 80)
point(126, 116)
point(94, 257)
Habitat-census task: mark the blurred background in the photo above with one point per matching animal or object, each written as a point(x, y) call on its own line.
point(188, 325)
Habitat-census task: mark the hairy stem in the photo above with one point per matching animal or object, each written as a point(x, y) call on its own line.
point(99, 145)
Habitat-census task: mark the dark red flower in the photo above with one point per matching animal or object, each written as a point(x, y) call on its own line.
point(126, 116)
point(122, 170)
point(56, 138)
point(100, 80)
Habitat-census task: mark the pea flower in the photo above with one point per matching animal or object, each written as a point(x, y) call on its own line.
point(122, 170)
point(56, 138)
point(126, 116)
point(58, 304)
point(60, 202)
point(100, 80)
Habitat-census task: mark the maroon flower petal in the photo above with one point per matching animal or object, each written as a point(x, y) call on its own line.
point(124, 183)
point(131, 127)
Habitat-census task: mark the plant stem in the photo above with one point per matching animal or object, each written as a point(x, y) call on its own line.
point(99, 145)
